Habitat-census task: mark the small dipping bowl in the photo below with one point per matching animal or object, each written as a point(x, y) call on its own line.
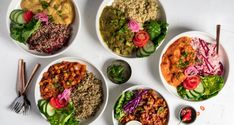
point(183, 112)
point(133, 122)
point(119, 67)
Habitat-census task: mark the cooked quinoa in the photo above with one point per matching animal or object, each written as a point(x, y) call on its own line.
point(87, 97)
point(139, 10)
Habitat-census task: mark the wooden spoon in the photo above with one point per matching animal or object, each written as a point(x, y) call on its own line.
point(217, 37)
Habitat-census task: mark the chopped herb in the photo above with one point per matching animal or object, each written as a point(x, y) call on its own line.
point(44, 4)
point(182, 64)
point(185, 54)
point(55, 7)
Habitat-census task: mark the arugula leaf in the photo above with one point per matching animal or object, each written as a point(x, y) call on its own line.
point(181, 91)
point(64, 116)
point(21, 33)
point(153, 28)
point(157, 30)
point(212, 84)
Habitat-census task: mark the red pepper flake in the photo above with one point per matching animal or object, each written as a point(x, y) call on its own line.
point(202, 108)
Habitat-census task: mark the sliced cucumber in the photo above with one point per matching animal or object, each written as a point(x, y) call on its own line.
point(13, 13)
point(189, 95)
point(149, 47)
point(41, 102)
point(195, 94)
point(199, 89)
point(20, 19)
point(15, 17)
point(49, 110)
point(138, 54)
point(143, 53)
point(44, 108)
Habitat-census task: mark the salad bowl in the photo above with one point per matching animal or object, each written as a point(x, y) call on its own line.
point(133, 54)
point(45, 111)
point(16, 5)
point(204, 79)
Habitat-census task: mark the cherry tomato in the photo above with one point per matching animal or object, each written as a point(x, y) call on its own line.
point(53, 103)
point(141, 38)
point(191, 82)
point(56, 103)
point(27, 16)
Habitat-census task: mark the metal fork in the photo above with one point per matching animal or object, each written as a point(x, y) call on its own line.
point(27, 104)
point(21, 103)
point(18, 102)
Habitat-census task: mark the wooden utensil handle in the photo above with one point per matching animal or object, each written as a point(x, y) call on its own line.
point(31, 77)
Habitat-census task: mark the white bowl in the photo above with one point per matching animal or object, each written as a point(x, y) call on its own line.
point(90, 68)
point(15, 4)
point(136, 87)
point(99, 12)
point(205, 36)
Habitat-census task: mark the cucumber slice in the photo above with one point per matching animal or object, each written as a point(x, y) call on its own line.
point(44, 108)
point(149, 47)
point(143, 53)
point(189, 95)
point(20, 19)
point(16, 16)
point(13, 13)
point(138, 54)
point(195, 94)
point(49, 110)
point(199, 89)
point(40, 104)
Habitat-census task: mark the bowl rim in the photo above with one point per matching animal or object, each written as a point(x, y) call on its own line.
point(170, 42)
point(100, 38)
point(71, 42)
point(76, 59)
point(135, 87)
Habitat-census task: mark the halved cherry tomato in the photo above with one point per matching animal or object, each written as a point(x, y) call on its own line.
point(141, 38)
point(187, 117)
point(53, 103)
point(191, 82)
point(27, 16)
point(56, 103)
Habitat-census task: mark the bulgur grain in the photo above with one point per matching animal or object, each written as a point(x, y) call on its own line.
point(87, 97)
point(139, 10)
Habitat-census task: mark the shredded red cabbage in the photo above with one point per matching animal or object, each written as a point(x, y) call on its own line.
point(210, 62)
point(131, 105)
point(42, 17)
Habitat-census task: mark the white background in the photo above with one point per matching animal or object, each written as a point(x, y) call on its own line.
point(182, 15)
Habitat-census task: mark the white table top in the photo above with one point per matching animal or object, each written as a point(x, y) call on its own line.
point(182, 15)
